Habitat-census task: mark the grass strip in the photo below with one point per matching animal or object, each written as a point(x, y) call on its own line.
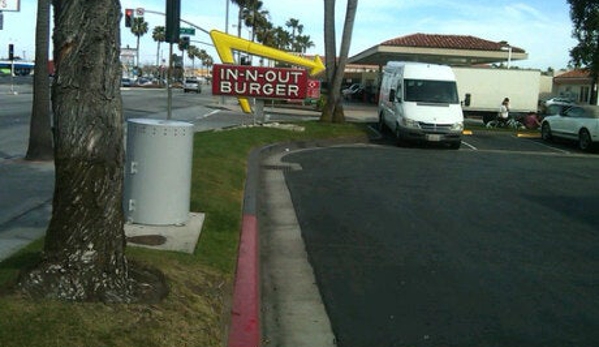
point(196, 311)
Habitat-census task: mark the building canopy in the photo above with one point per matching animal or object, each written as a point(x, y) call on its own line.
point(453, 50)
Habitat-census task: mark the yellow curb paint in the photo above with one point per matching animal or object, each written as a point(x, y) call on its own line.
point(529, 136)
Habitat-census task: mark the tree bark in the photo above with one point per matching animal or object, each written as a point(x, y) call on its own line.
point(40, 127)
point(84, 256)
point(333, 110)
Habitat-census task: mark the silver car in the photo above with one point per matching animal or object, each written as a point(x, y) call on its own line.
point(578, 123)
point(192, 85)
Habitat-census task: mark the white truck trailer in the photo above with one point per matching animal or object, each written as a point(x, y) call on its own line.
point(481, 90)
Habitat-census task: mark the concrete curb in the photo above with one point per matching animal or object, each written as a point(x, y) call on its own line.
point(244, 329)
point(245, 323)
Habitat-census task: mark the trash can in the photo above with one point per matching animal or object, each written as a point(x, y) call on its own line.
point(158, 171)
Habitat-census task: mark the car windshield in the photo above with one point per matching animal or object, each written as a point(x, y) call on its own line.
point(191, 81)
point(444, 92)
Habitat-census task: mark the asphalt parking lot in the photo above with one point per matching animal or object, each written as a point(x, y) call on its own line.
point(491, 245)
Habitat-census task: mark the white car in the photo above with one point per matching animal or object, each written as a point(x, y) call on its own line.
point(352, 90)
point(192, 85)
point(578, 123)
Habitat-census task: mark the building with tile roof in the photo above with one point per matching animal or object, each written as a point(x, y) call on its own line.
point(575, 85)
point(453, 50)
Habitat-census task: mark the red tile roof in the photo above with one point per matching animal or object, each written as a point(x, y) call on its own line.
point(448, 42)
point(578, 73)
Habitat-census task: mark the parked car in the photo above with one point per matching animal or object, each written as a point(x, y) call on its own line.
point(554, 109)
point(192, 85)
point(142, 82)
point(352, 91)
point(126, 82)
point(578, 123)
point(552, 101)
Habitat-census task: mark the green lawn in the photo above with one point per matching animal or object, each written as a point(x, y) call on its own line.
point(196, 311)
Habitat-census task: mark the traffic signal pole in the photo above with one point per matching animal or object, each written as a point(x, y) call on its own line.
point(169, 88)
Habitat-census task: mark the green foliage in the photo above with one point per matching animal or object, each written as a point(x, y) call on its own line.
point(585, 17)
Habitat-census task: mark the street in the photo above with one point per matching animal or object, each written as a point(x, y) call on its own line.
point(199, 109)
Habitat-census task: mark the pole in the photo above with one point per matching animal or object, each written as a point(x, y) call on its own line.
point(169, 89)
point(227, 17)
point(12, 77)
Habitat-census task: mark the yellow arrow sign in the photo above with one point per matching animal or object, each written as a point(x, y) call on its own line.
point(225, 44)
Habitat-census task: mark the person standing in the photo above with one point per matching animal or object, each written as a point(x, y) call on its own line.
point(504, 110)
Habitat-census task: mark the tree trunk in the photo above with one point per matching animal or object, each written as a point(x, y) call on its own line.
point(330, 45)
point(40, 127)
point(333, 110)
point(84, 256)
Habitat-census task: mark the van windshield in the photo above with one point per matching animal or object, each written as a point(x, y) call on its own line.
point(438, 92)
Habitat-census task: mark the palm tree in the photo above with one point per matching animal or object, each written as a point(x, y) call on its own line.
point(242, 4)
point(159, 35)
point(40, 129)
point(265, 34)
point(208, 61)
point(254, 16)
point(302, 43)
point(202, 55)
point(192, 53)
point(282, 38)
point(333, 110)
point(296, 29)
point(183, 45)
point(139, 27)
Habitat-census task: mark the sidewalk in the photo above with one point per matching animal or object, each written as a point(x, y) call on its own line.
point(25, 203)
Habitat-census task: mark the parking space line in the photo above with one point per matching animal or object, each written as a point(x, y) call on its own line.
point(554, 148)
point(469, 145)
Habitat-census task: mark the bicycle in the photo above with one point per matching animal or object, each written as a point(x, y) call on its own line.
point(510, 123)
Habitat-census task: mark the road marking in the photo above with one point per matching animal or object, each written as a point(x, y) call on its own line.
point(469, 145)
point(210, 114)
point(554, 148)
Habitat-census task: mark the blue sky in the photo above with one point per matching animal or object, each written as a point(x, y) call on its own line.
point(542, 28)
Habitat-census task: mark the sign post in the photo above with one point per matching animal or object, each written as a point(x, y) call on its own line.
point(10, 5)
point(187, 31)
point(226, 44)
point(260, 83)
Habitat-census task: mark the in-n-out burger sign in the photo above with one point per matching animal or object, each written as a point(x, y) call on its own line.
point(259, 82)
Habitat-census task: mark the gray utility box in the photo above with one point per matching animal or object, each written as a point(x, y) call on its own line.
point(158, 171)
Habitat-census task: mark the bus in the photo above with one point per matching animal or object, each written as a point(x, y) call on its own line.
point(21, 67)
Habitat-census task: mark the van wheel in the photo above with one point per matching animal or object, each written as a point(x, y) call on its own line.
point(398, 138)
point(455, 145)
point(381, 125)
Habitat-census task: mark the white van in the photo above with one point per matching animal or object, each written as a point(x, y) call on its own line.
point(419, 102)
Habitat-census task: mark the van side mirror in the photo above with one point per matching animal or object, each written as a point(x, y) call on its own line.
point(467, 100)
point(393, 96)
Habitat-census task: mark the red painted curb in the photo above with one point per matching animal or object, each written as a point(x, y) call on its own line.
point(245, 321)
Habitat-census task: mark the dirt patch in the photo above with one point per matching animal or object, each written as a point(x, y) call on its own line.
point(147, 240)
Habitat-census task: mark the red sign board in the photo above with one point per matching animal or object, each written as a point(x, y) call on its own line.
point(259, 82)
point(313, 89)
